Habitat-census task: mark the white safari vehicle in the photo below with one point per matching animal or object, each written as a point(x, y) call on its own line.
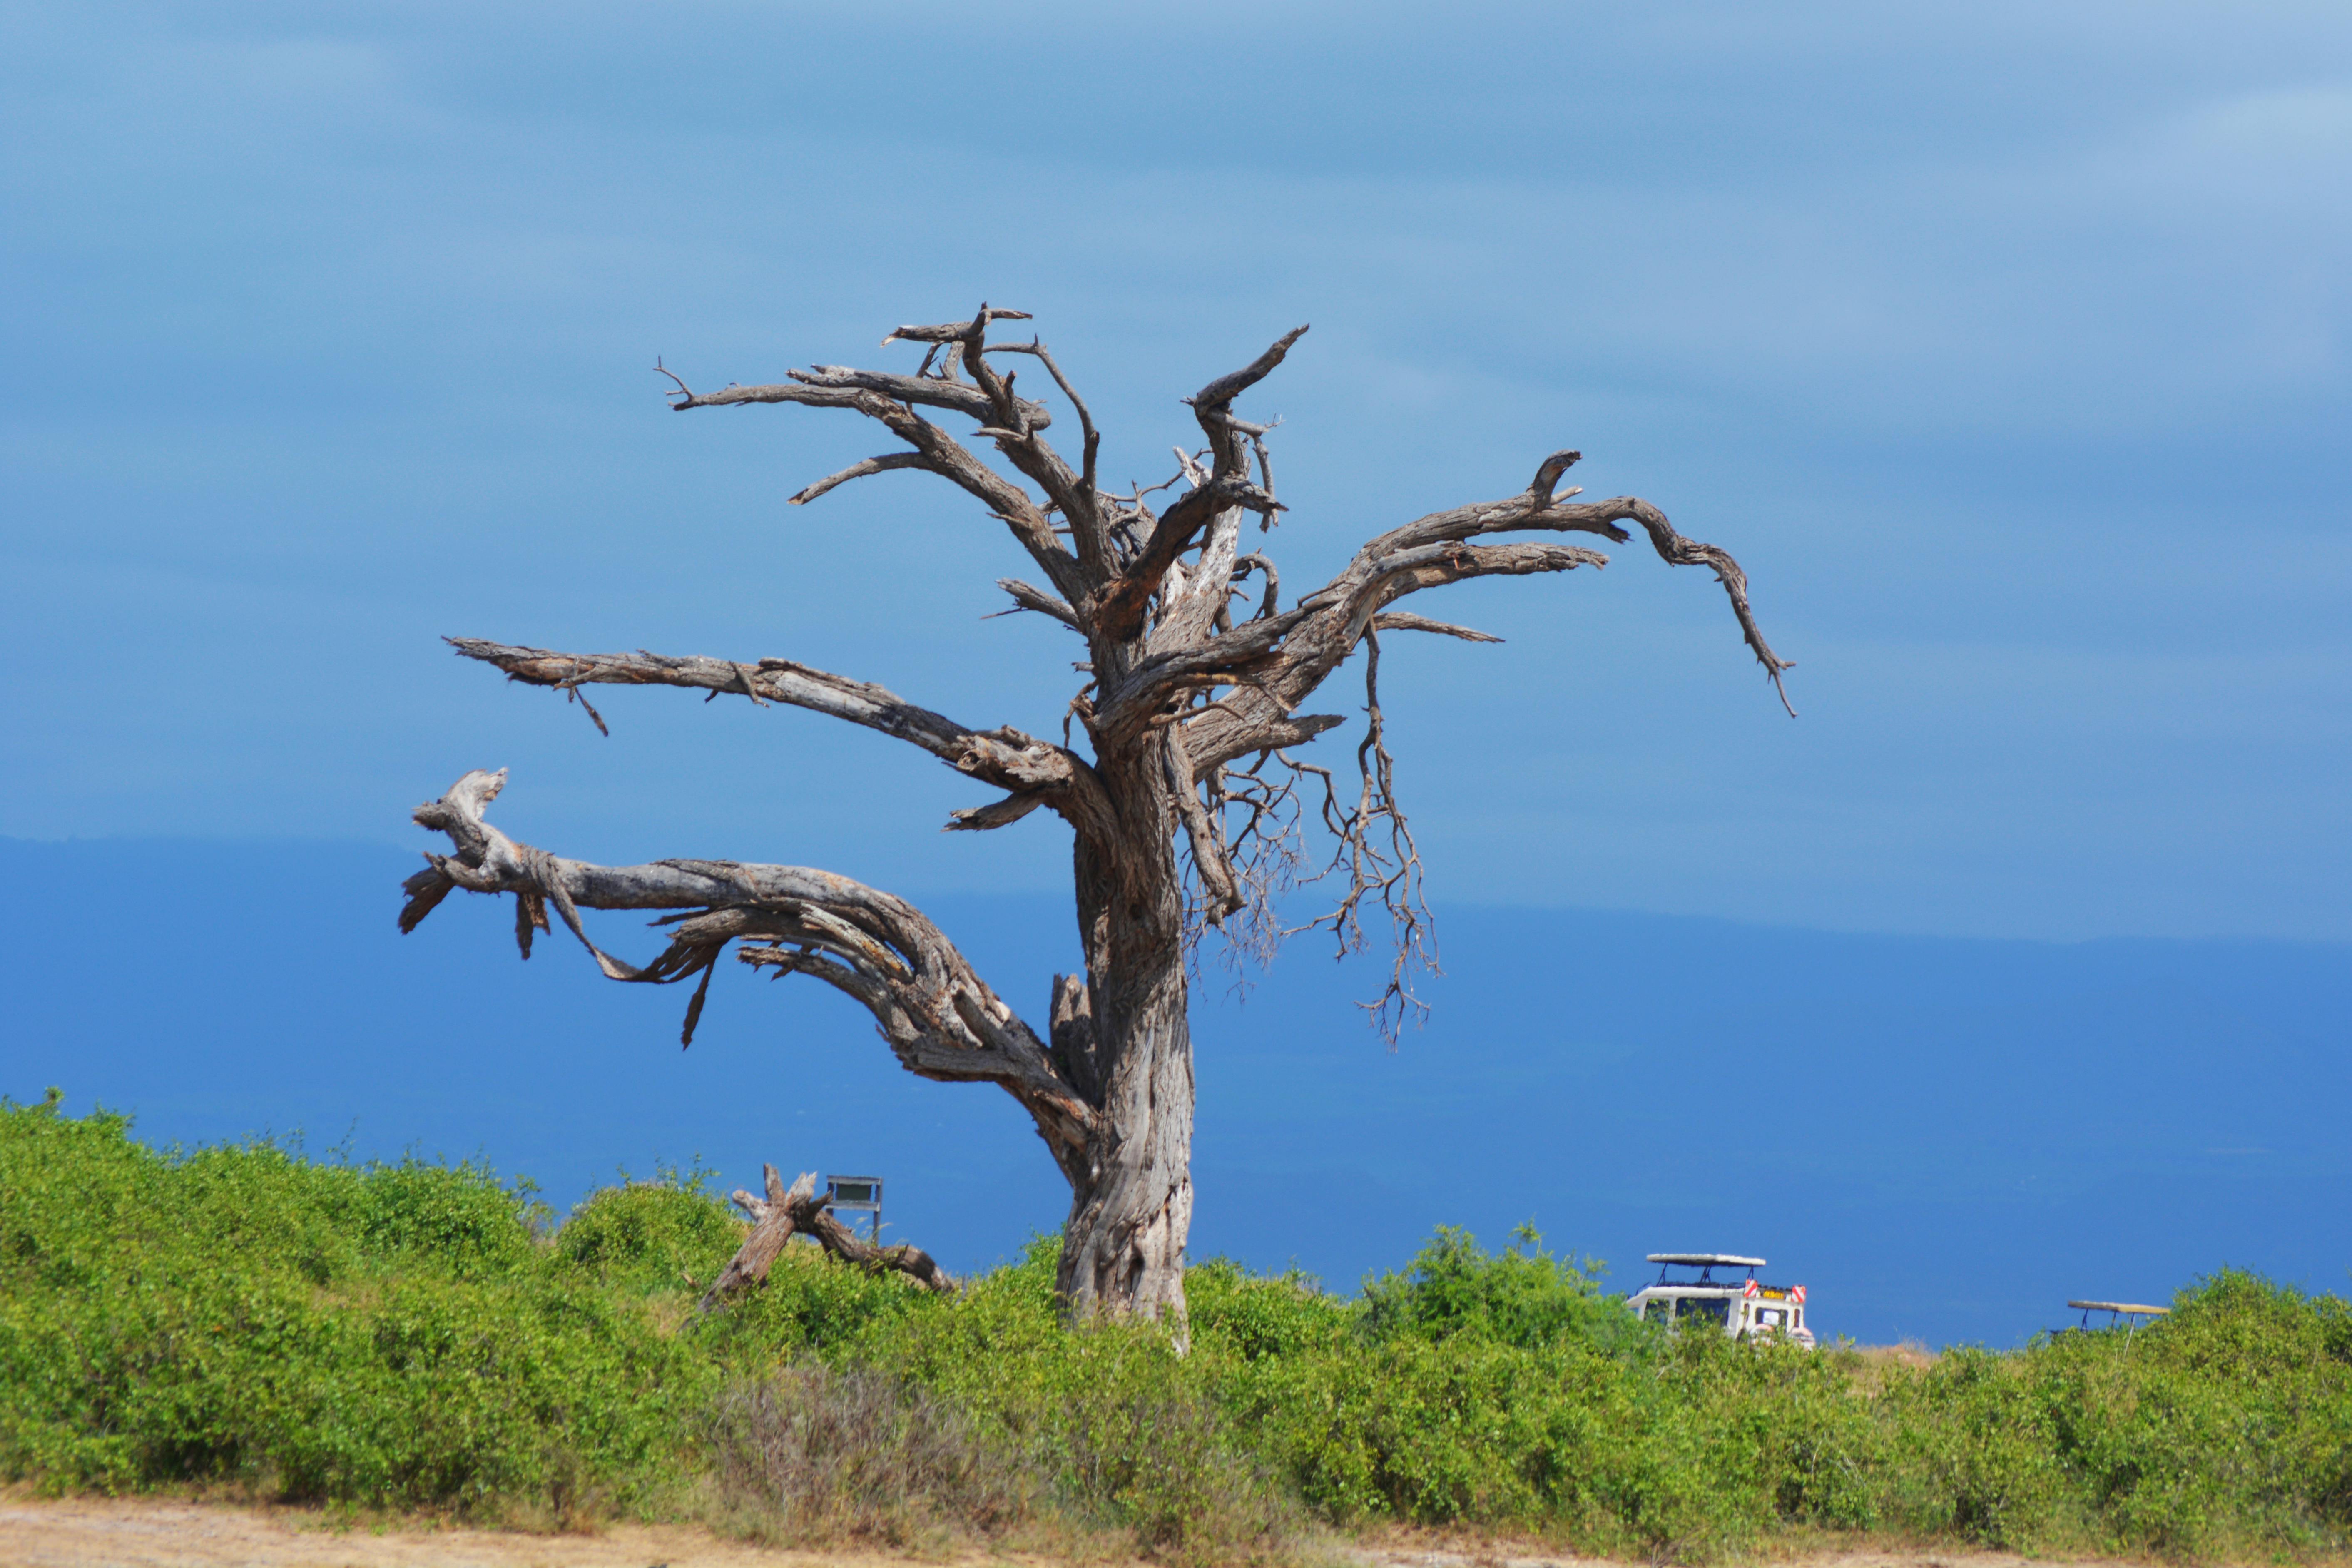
point(1737, 1303)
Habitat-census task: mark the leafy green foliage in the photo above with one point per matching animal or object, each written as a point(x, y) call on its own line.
point(652, 1235)
point(2226, 1424)
point(390, 1334)
point(414, 1335)
point(1521, 1296)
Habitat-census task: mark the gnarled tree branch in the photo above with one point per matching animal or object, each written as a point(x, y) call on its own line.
point(1406, 621)
point(940, 1017)
point(1431, 553)
point(891, 400)
point(1026, 598)
point(858, 471)
point(1004, 757)
point(1119, 612)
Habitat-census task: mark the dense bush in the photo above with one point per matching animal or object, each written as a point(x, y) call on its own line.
point(416, 1335)
point(1522, 1296)
point(388, 1334)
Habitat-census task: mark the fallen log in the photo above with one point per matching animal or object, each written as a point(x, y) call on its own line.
point(801, 1210)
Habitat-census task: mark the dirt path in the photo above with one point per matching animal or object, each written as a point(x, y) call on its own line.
point(140, 1532)
point(137, 1532)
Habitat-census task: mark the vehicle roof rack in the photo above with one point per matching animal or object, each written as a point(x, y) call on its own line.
point(2129, 1315)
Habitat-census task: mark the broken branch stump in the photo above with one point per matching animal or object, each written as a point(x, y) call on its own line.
point(801, 1209)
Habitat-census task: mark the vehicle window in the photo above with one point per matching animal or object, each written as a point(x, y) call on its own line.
point(1658, 1311)
point(1701, 1306)
point(1770, 1317)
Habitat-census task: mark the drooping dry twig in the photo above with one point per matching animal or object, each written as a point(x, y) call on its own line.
point(1379, 861)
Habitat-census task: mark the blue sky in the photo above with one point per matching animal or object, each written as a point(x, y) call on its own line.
point(2006, 345)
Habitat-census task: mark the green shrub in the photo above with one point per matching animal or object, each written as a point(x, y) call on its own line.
point(404, 1336)
point(653, 1234)
point(1521, 1296)
point(2222, 1427)
point(448, 1218)
point(387, 1335)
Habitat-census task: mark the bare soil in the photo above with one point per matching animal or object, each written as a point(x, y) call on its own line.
point(145, 1532)
point(148, 1533)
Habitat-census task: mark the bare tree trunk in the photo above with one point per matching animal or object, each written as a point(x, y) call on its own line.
point(1124, 1036)
point(1131, 1208)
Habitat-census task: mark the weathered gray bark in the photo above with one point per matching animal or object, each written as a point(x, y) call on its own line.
point(1125, 1034)
point(1187, 807)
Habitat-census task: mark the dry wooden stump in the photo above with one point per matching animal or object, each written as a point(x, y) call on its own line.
point(801, 1210)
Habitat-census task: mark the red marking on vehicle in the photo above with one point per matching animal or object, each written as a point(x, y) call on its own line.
point(1748, 1290)
point(1797, 1293)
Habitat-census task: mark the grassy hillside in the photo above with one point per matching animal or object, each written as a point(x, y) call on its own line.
point(421, 1336)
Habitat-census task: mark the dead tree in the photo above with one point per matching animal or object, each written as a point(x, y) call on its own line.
point(1188, 804)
